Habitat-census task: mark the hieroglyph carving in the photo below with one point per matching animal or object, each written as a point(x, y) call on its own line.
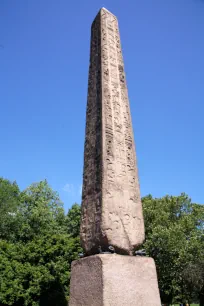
point(111, 204)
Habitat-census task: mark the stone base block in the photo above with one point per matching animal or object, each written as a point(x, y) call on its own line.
point(114, 280)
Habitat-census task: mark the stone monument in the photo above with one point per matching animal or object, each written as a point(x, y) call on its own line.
point(112, 225)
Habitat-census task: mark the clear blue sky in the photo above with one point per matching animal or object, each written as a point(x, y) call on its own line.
point(44, 56)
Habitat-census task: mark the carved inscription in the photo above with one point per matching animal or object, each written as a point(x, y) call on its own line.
point(111, 205)
point(92, 178)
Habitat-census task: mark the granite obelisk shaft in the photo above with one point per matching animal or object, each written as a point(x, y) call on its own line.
point(111, 203)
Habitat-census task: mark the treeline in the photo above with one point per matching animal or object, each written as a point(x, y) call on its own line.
point(38, 242)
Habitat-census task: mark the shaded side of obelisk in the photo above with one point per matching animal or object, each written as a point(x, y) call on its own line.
point(111, 203)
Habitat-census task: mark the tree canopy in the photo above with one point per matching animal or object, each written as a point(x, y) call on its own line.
point(38, 242)
point(175, 239)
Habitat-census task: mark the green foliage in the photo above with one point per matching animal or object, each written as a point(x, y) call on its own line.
point(40, 208)
point(73, 219)
point(35, 270)
point(9, 201)
point(174, 237)
point(38, 242)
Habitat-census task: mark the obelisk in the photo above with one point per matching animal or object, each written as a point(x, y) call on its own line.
point(112, 225)
point(111, 204)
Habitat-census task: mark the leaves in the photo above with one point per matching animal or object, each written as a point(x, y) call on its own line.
point(35, 264)
point(9, 201)
point(73, 219)
point(174, 235)
point(38, 243)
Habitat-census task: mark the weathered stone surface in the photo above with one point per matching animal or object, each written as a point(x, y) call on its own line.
point(111, 204)
point(114, 280)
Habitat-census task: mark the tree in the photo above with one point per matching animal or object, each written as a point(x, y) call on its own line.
point(73, 220)
point(41, 210)
point(35, 270)
point(38, 243)
point(174, 230)
point(9, 203)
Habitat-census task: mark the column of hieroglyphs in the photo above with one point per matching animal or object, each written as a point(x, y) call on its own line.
point(92, 178)
point(111, 208)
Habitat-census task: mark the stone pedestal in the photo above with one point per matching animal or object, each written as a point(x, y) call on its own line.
point(114, 280)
